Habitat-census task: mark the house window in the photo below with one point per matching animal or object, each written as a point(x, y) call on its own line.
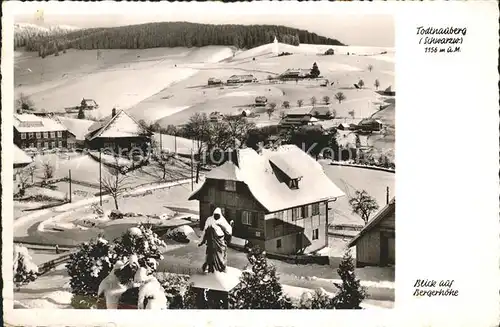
point(246, 218)
point(60, 144)
point(32, 145)
point(52, 135)
point(53, 144)
point(45, 144)
point(38, 145)
point(59, 133)
point(315, 235)
point(294, 183)
point(315, 209)
point(279, 215)
point(295, 213)
point(45, 135)
point(230, 186)
point(278, 244)
point(38, 135)
point(23, 136)
point(30, 135)
point(304, 211)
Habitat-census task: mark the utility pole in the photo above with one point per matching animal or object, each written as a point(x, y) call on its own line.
point(387, 195)
point(70, 193)
point(100, 178)
point(161, 147)
point(175, 143)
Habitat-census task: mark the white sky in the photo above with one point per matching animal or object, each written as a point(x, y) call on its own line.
point(363, 30)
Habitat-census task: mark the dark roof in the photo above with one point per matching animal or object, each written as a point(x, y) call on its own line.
point(381, 215)
point(255, 170)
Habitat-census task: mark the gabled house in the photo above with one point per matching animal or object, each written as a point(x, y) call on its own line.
point(297, 117)
point(370, 125)
point(235, 79)
point(295, 73)
point(119, 133)
point(375, 243)
point(88, 104)
point(37, 132)
point(278, 198)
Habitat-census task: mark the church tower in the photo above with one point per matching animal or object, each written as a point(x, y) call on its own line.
point(275, 46)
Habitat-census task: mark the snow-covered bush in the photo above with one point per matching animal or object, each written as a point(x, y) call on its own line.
point(180, 234)
point(177, 290)
point(351, 293)
point(89, 266)
point(142, 242)
point(259, 287)
point(317, 300)
point(25, 271)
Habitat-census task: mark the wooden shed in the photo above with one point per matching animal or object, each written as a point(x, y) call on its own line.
point(375, 244)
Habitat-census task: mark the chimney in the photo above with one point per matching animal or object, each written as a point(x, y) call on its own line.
point(113, 112)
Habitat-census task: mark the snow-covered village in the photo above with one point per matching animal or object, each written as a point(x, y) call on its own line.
point(192, 165)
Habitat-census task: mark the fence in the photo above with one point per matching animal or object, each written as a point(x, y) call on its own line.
point(388, 170)
point(300, 259)
point(52, 264)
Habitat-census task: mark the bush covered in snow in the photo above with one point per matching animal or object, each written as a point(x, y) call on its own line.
point(89, 266)
point(351, 293)
point(177, 290)
point(317, 300)
point(259, 287)
point(25, 271)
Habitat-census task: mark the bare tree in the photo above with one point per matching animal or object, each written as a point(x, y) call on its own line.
point(300, 102)
point(48, 171)
point(238, 126)
point(363, 205)
point(326, 99)
point(286, 104)
point(313, 101)
point(376, 84)
point(24, 102)
point(115, 183)
point(370, 67)
point(340, 97)
point(270, 109)
point(165, 162)
point(361, 83)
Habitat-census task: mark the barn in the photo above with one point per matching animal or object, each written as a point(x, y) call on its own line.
point(375, 243)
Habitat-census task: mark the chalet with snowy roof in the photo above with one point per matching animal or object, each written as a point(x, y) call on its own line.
point(119, 133)
point(321, 112)
point(294, 74)
point(236, 79)
point(36, 132)
point(278, 198)
point(297, 117)
point(375, 243)
point(89, 104)
point(370, 125)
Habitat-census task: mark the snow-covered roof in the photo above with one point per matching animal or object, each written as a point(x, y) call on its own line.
point(20, 157)
point(217, 281)
point(120, 125)
point(78, 127)
point(386, 211)
point(256, 171)
point(25, 123)
point(89, 102)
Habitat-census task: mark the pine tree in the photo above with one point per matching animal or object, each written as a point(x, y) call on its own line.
point(25, 271)
point(315, 71)
point(351, 293)
point(81, 113)
point(89, 266)
point(259, 287)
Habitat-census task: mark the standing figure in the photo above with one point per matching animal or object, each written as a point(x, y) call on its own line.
point(216, 234)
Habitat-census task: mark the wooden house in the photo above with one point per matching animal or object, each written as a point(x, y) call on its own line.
point(321, 112)
point(375, 244)
point(119, 133)
point(260, 101)
point(236, 79)
point(21, 160)
point(295, 74)
point(214, 81)
point(88, 104)
point(278, 198)
point(370, 125)
point(38, 133)
point(297, 117)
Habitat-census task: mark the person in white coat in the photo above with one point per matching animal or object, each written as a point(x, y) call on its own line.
point(151, 293)
point(111, 287)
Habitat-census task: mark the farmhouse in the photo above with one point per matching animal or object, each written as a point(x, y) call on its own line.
point(235, 79)
point(370, 124)
point(321, 112)
point(278, 198)
point(260, 101)
point(21, 160)
point(119, 133)
point(214, 81)
point(297, 117)
point(295, 73)
point(36, 132)
point(89, 104)
point(375, 243)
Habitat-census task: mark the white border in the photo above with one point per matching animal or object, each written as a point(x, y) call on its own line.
point(447, 203)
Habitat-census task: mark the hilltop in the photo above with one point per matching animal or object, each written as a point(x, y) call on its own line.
point(174, 34)
point(26, 32)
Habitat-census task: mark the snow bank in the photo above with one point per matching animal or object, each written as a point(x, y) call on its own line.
point(239, 94)
point(52, 300)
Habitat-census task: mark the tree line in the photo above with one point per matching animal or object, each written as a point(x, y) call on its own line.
point(170, 34)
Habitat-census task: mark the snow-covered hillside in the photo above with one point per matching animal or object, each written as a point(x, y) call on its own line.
point(43, 29)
